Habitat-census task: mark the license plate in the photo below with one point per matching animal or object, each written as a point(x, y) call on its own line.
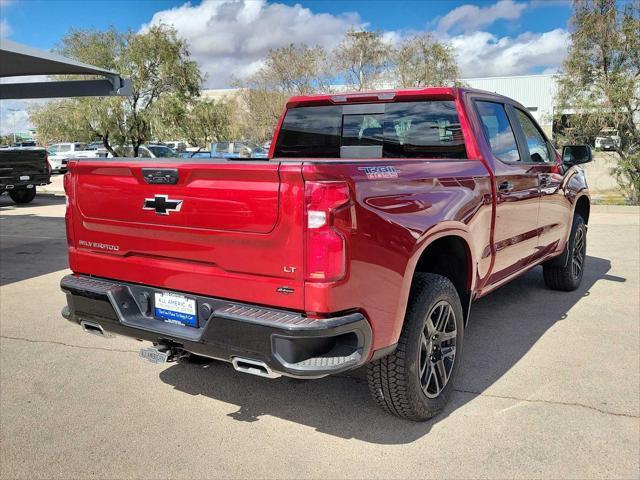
point(24, 177)
point(178, 309)
point(154, 355)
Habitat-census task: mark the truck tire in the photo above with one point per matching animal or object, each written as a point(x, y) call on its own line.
point(565, 273)
point(416, 380)
point(23, 195)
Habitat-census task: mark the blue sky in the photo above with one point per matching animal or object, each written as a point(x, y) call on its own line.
point(229, 38)
point(41, 23)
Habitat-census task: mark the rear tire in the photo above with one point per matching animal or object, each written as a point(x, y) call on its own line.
point(565, 273)
point(416, 380)
point(23, 195)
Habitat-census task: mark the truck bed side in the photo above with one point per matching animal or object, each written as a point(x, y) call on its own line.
point(397, 216)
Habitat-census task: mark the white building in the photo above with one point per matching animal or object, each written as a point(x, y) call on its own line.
point(536, 92)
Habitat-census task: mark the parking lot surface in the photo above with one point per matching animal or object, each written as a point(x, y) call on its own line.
point(550, 386)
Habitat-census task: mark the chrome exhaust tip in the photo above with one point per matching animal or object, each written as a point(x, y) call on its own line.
point(253, 367)
point(94, 329)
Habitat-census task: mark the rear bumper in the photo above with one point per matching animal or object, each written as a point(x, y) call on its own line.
point(10, 183)
point(288, 342)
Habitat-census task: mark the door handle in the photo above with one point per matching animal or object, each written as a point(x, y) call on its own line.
point(505, 187)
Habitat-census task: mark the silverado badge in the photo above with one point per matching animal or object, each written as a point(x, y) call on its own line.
point(162, 204)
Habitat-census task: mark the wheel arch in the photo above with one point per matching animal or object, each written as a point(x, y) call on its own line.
point(449, 254)
point(583, 208)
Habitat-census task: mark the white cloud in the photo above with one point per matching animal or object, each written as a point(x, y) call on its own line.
point(482, 54)
point(5, 28)
point(231, 37)
point(14, 116)
point(468, 18)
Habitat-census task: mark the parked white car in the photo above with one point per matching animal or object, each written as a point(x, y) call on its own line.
point(607, 139)
point(147, 151)
point(60, 153)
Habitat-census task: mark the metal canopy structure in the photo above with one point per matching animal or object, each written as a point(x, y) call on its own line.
point(19, 60)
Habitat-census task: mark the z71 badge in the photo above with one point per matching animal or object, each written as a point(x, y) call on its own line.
point(375, 173)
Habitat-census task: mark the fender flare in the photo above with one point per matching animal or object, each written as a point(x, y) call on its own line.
point(444, 229)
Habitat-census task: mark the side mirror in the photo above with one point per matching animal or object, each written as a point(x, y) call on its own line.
point(576, 154)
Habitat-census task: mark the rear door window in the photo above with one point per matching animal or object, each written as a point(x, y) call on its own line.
point(498, 131)
point(427, 129)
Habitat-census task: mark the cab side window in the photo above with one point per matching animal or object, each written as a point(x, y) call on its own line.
point(222, 147)
point(536, 142)
point(498, 131)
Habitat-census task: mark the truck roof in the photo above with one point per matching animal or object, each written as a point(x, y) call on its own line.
point(383, 95)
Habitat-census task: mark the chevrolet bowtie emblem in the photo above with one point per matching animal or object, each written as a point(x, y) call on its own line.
point(162, 204)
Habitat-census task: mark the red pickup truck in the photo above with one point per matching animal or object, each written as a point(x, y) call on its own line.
point(363, 239)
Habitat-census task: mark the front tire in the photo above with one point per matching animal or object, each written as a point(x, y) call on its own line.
point(23, 195)
point(416, 380)
point(565, 273)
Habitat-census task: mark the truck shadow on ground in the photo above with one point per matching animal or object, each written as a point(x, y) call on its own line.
point(504, 326)
point(31, 245)
point(41, 200)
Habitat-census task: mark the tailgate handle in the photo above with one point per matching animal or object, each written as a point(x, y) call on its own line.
point(165, 176)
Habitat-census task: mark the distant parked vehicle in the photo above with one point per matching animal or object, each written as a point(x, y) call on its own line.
point(237, 150)
point(60, 153)
point(177, 145)
point(22, 169)
point(24, 144)
point(147, 151)
point(607, 139)
point(96, 146)
point(196, 154)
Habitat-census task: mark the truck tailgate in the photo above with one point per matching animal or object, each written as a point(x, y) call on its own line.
point(23, 162)
point(223, 229)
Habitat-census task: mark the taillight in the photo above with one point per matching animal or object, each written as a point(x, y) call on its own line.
point(46, 161)
point(68, 219)
point(328, 219)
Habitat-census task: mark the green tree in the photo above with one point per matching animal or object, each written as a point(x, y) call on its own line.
point(6, 139)
point(156, 61)
point(601, 81)
point(200, 121)
point(422, 61)
point(363, 58)
point(287, 71)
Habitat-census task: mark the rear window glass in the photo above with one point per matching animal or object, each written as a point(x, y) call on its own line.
point(428, 129)
point(162, 151)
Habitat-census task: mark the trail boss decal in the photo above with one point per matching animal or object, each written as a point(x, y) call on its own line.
point(375, 173)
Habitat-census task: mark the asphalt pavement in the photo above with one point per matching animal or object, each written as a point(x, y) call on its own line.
point(550, 386)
